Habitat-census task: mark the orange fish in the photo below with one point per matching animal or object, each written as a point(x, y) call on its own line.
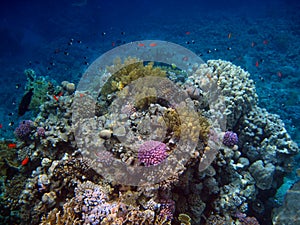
point(256, 64)
point(152, 44)
point(141, 45)
point(187, 33)
point(81, 95)
point(60, 94)
point(11, 145)
point(229, 35)
point(265, 42)
point(25, 161)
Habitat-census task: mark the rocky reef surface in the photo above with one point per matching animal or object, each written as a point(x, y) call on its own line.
point(70, 167)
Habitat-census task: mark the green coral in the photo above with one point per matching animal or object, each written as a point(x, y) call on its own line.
point(40, 87)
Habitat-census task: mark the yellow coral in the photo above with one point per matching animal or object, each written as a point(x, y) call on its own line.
point(124, 73)
point(68, 217)
point(184, 219)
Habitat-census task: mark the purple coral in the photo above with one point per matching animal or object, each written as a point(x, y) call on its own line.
point(41, 131)
point(230, 139)
point(246, 220)
point(24, 129)
point(167, 208)
point(152, 153)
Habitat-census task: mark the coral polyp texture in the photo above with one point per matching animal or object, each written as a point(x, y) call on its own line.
point(230, 139)
point(24, 129)
point(152, 153)
point(223, 179)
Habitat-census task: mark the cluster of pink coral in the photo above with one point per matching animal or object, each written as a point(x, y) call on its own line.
point(152, 153)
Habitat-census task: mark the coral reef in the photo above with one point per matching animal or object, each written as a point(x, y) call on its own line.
point(288, 213)
point(220, 157)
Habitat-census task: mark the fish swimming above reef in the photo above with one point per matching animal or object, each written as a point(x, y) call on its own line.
point(25, 102)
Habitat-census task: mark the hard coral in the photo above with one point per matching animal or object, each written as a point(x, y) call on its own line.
point(124, 73)
point(24, 129)
point(230, 139)
point(152, 153)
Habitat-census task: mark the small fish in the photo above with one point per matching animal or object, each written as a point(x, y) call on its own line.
point(11, 123)
point(18, 86)
point(81, 95)
point(79, 41)
point(152, 44)
point(229, 48)
point(229, 35)
point(123, 33)
point(141, 45)
point(256, 63)
point(279, 74)
point(11, 145)
point(25, 161)
point(103, 33)
point(113, 44)
point(66, 53)
point(10, 114)
point(55, 98)
point(265, 42)
point(1, 126)
point(185, 58)
point(188, 33)
point(60, 94)
point(253, 44)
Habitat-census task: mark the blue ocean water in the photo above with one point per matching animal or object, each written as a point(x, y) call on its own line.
point(60, 39)
point(36, 35)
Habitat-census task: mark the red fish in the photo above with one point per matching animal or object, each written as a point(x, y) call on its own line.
point(11, 145)
point(141, 45)
point(265, 42)
point(60, 94)
point(25, 161)
point(256, 64)
point(187, 33)
point(152, 44)
point(1, 125)
point(55, 98)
